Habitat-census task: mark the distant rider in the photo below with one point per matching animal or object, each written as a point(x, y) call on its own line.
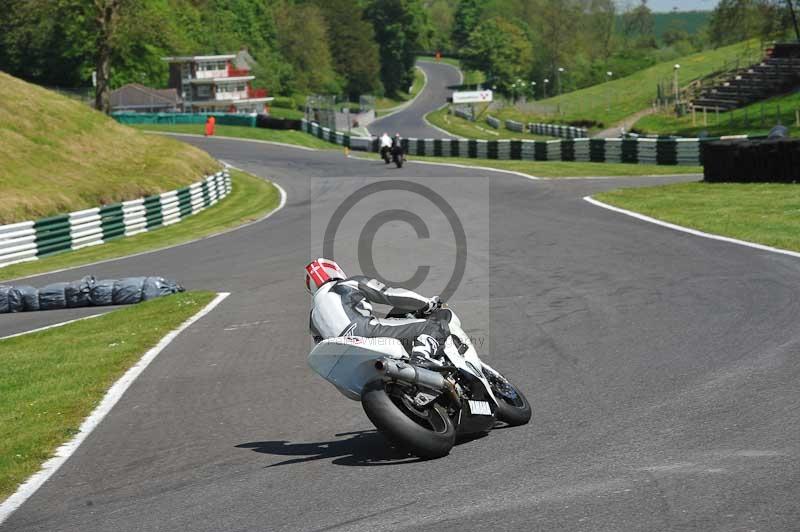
point(386, 144)
point(342, 308)
point(397, 145)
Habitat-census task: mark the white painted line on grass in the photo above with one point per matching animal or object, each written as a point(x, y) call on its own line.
point(62, 454)
point(258, 141)
point(53, 326)
point(694, 232)
point(232, 229)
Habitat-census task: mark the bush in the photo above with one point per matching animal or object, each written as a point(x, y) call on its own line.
point(285, 102)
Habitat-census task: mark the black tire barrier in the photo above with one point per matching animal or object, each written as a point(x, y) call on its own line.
point(85, 292)
point(270, 122)
point(752, 161)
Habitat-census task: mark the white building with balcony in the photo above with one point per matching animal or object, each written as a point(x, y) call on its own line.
point(216, 83)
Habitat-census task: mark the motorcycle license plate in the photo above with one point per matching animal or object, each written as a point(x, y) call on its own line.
point(480, 408)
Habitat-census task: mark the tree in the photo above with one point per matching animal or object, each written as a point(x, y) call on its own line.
point(353, 48)
point(302, 40)
point(639, 23)
point(398, 26)
point(442, 17)
point(501, 50)
point(599, 21)
point(467, 17)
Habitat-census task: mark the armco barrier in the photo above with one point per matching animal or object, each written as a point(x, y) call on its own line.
point(662, 151)
point(556, 130)
point(26, 241)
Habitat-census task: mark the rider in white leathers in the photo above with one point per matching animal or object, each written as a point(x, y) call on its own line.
point(342, 308)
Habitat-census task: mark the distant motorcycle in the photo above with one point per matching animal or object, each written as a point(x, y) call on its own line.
point(398, 156)
point(420, 409)
point(386, 154)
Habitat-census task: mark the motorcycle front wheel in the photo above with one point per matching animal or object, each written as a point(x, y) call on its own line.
point(427, 433)
point(513, 407)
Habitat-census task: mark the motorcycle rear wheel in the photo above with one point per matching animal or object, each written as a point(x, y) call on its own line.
point(428, 433)
point(513, 407)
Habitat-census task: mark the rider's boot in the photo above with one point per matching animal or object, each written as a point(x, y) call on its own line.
point(426, 349)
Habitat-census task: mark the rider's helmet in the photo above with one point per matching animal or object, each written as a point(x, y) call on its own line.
point(321, 271)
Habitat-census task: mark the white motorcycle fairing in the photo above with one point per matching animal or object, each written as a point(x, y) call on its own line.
point(348, 362)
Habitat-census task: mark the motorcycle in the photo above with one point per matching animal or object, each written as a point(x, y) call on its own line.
point(422, 410)
point(386, 154)
point(398, 157)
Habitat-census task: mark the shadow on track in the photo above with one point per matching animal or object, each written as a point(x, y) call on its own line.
point(361, 448)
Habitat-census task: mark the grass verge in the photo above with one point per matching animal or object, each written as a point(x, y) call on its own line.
point(250, 199)
point(287, 136)
point(555, 169)
point(476, 130)
point(51, 380)
point(766, 213)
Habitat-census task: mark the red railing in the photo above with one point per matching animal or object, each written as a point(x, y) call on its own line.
point(237, 72)
point(256, 93)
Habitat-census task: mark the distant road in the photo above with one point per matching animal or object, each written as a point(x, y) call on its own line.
point(410, 121)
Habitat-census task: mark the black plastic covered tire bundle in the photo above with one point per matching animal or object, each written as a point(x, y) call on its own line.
point(85, 292)
point(752, 161)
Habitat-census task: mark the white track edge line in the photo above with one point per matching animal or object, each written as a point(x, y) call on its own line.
point(280, 206)
point(486, 168)
point(53, 326)
point(406, 105)
point(222, 137)
point(694, 232)
point(112, 396)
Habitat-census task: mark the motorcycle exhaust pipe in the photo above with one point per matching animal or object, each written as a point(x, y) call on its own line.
point(401, 371)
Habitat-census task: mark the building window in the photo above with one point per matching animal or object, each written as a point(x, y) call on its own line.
point(203, 91)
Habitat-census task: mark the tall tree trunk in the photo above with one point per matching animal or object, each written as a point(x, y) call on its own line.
point(107, 11)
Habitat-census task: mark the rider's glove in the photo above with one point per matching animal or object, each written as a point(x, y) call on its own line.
point(435, 303)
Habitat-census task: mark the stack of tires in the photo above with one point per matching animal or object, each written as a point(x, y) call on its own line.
point(752, 161)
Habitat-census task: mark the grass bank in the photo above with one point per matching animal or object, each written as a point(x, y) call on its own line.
point(610, 102)
point(387, 103)
point(52, 380)
point(556, 169)
point(763, 213)
point(754, 119)
point(286, 136)
point(476, 130)
point(58, 155)
point(250, 199)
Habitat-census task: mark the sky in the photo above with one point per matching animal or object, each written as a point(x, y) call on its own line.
point(668, 5)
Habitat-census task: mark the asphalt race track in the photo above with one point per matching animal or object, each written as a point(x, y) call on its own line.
point(410, 122)
point(662, 367)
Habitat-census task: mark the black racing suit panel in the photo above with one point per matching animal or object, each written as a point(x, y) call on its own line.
point(342, 308)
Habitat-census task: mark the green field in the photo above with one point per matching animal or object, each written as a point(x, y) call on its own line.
point(755, 119)
point(560, 169)
point(763, 213)
point(52, 380)
point(479, 129)
point(60, 156)
point(610, 102)
point(286, 136)
point(250, 199)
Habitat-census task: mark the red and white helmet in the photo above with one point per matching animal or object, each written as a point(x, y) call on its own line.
point(319, 272)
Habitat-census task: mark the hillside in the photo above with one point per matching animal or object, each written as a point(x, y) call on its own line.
point(58, 155)
point(610, 102)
